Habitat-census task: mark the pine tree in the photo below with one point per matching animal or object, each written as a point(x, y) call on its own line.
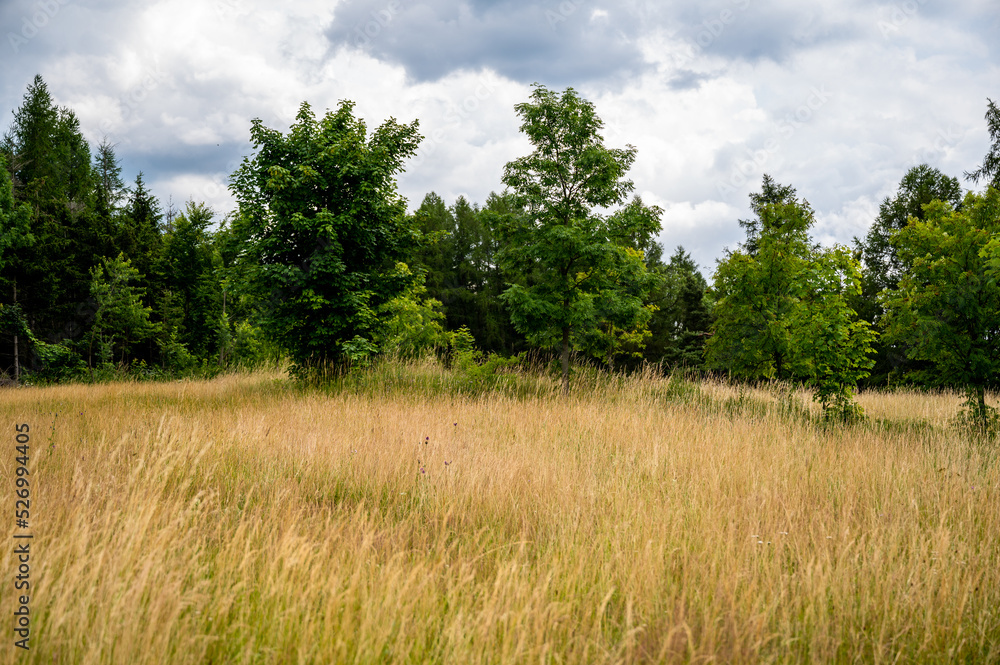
point(15, 235)
point(139, 232)
point(50, 164)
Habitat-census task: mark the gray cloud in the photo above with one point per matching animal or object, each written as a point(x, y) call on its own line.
point(555, 42)
point(755, 31)
point(686, 80)
point(705, 95)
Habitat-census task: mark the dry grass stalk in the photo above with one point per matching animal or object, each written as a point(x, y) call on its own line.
point(242, 521)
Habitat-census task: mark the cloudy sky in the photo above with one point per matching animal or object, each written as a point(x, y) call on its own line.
point(838, 98)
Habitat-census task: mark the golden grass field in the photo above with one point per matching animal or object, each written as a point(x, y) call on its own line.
point(247, 520)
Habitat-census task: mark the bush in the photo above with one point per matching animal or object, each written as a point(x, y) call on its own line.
point(474, 371)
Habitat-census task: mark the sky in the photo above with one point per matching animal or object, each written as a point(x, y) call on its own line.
point(836, 98)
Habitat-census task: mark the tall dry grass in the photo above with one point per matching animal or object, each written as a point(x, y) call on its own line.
point(242, 520)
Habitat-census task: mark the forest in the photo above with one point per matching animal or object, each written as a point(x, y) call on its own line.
point(322, 264)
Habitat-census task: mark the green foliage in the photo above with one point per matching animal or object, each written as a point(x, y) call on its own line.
point(54, 362)
point(756, 291)
point(437, 256)
point(15, 234)
point(58, 362)
point(830, 346)
point(783, 311)
point(322, 228)
point(121, 319)
point(976, 418)
point(413, 326)
point(174, 354)
point(357, 352)
point(49, 161)
point(189, 275)
point(139, 234)
point(109, 188)
point(882, 267)
point(773, 197)
point(475, 371)
point(15, 220)
point(946, 308)
point(681, 319)
point(461, 268)
point(578, 276)
point(251, 348)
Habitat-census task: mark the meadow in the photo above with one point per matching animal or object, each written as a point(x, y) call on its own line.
point(403, 517)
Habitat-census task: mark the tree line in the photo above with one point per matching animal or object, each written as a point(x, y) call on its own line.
point(322, 263)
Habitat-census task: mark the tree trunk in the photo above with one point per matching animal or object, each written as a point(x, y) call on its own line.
point(17, 356)
point(565, 361)
point(222, 345)
point(983, 416)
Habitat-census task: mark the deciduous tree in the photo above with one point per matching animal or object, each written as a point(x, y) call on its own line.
point(323, 229)
point(831, 347)
point(755, 289)
point(577, 271)
point(946, 308)
point(782, 311)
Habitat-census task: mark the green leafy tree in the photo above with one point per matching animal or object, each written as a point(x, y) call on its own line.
point(882, 267)
point(323, 229)
point(921, 185)
point(783, 311)
point(240, 338)
point(414, 325)
point(756, 292)
point(573, 267)
point(830, 346)
point(946, 308)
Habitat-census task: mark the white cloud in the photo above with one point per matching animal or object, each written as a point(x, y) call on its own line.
point(703, 228)
point(823, 97)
